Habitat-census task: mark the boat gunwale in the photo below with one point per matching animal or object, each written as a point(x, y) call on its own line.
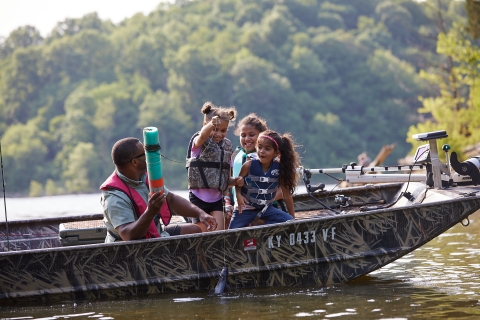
point(238, 230)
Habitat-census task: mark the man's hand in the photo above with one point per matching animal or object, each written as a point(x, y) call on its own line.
point(155, 202)
point(208, 221)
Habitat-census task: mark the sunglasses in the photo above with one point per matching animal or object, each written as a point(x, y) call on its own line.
point(140, 155)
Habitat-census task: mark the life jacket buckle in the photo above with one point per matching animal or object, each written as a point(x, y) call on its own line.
point(263, 179)
point(262, 191)
point(261, 202)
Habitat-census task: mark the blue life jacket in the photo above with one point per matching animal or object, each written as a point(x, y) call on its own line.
point(260, 188)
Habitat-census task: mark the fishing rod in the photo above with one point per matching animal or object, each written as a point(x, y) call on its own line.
point(4, 198)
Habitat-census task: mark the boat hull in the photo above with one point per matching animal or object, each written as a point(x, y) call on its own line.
point(320, 250)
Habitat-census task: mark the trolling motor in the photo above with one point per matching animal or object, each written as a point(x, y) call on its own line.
point(470, 167)
point(440, 174)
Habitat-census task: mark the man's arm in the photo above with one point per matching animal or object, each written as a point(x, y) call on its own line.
point(137, 229)
point(185, 208)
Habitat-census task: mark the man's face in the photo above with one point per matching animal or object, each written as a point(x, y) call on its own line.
point(139, 159)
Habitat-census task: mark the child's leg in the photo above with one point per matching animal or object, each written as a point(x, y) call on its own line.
point(274, 215)
point(218, 215)
point(240, 220)
point(220, 218)
point(215, 209)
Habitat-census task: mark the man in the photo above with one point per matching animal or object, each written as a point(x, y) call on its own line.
point(129, 212)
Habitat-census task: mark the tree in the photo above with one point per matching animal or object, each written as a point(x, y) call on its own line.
point(83, 172)
point(457, 109)
point(24, 153)
point(22, 37)
point(473, 13)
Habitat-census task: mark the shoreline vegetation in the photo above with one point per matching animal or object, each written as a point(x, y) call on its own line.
point(343, 77)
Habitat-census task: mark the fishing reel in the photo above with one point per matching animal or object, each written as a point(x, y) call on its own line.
point(342, 200)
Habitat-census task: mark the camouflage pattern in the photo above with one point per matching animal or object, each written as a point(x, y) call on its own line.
point(212, 152)
point(317, 248)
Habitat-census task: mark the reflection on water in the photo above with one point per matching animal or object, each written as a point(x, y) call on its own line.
point(438, 281)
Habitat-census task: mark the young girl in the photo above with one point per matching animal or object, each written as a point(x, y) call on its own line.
point(248, 129)
point(264, 176)
point(208, 163)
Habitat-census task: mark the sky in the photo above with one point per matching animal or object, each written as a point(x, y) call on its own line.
point(44, 14)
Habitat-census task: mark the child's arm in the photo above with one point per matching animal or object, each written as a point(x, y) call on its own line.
point(241, 201)
point(205, 132)
point(288, 201)
point(238, 181)
point(279, 194)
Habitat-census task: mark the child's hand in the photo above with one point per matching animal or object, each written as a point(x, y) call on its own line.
point(239, 181)
point(216, 121)
point(241, 202)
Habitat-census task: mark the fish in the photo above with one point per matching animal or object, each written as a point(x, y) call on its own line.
point(222, 282)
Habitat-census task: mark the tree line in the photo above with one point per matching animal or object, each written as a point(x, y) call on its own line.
point(342, 76)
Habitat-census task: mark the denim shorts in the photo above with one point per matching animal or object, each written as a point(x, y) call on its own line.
point(271, 215)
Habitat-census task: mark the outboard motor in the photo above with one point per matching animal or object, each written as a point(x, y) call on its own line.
point(470, 167)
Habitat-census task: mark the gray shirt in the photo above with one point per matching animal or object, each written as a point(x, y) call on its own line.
point(117, 207)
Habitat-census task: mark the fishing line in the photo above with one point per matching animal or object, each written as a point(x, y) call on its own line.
point(224, 229)
point(4, 198)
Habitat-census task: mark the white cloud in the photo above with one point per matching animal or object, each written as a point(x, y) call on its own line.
point(44, 14)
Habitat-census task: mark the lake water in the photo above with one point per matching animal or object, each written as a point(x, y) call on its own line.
point(441, 280)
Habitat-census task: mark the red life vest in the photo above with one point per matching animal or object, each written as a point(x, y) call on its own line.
point(114, 182)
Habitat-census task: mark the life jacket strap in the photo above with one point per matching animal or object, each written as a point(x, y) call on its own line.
point(261, 191)
point(262, 179)
point(261, 202)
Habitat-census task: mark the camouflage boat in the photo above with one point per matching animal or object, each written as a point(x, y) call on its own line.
point(337, 236)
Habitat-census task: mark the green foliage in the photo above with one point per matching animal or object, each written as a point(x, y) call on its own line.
point(36, 189)
point(457, 108)
point(82, 172)
point(473, 12)
point(341, 76)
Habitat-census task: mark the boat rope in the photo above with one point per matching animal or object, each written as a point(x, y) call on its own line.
point(171, 159)
point(4, 198)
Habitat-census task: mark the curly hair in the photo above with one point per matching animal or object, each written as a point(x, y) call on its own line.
point(289, 158)
point(226, 114)
point(255, 121)
point(124, 150)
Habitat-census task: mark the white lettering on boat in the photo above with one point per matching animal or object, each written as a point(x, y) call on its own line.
point(301, 237)
point(278, 241)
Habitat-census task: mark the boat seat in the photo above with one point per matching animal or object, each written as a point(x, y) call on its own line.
point(82, 232)
point(90, 231)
